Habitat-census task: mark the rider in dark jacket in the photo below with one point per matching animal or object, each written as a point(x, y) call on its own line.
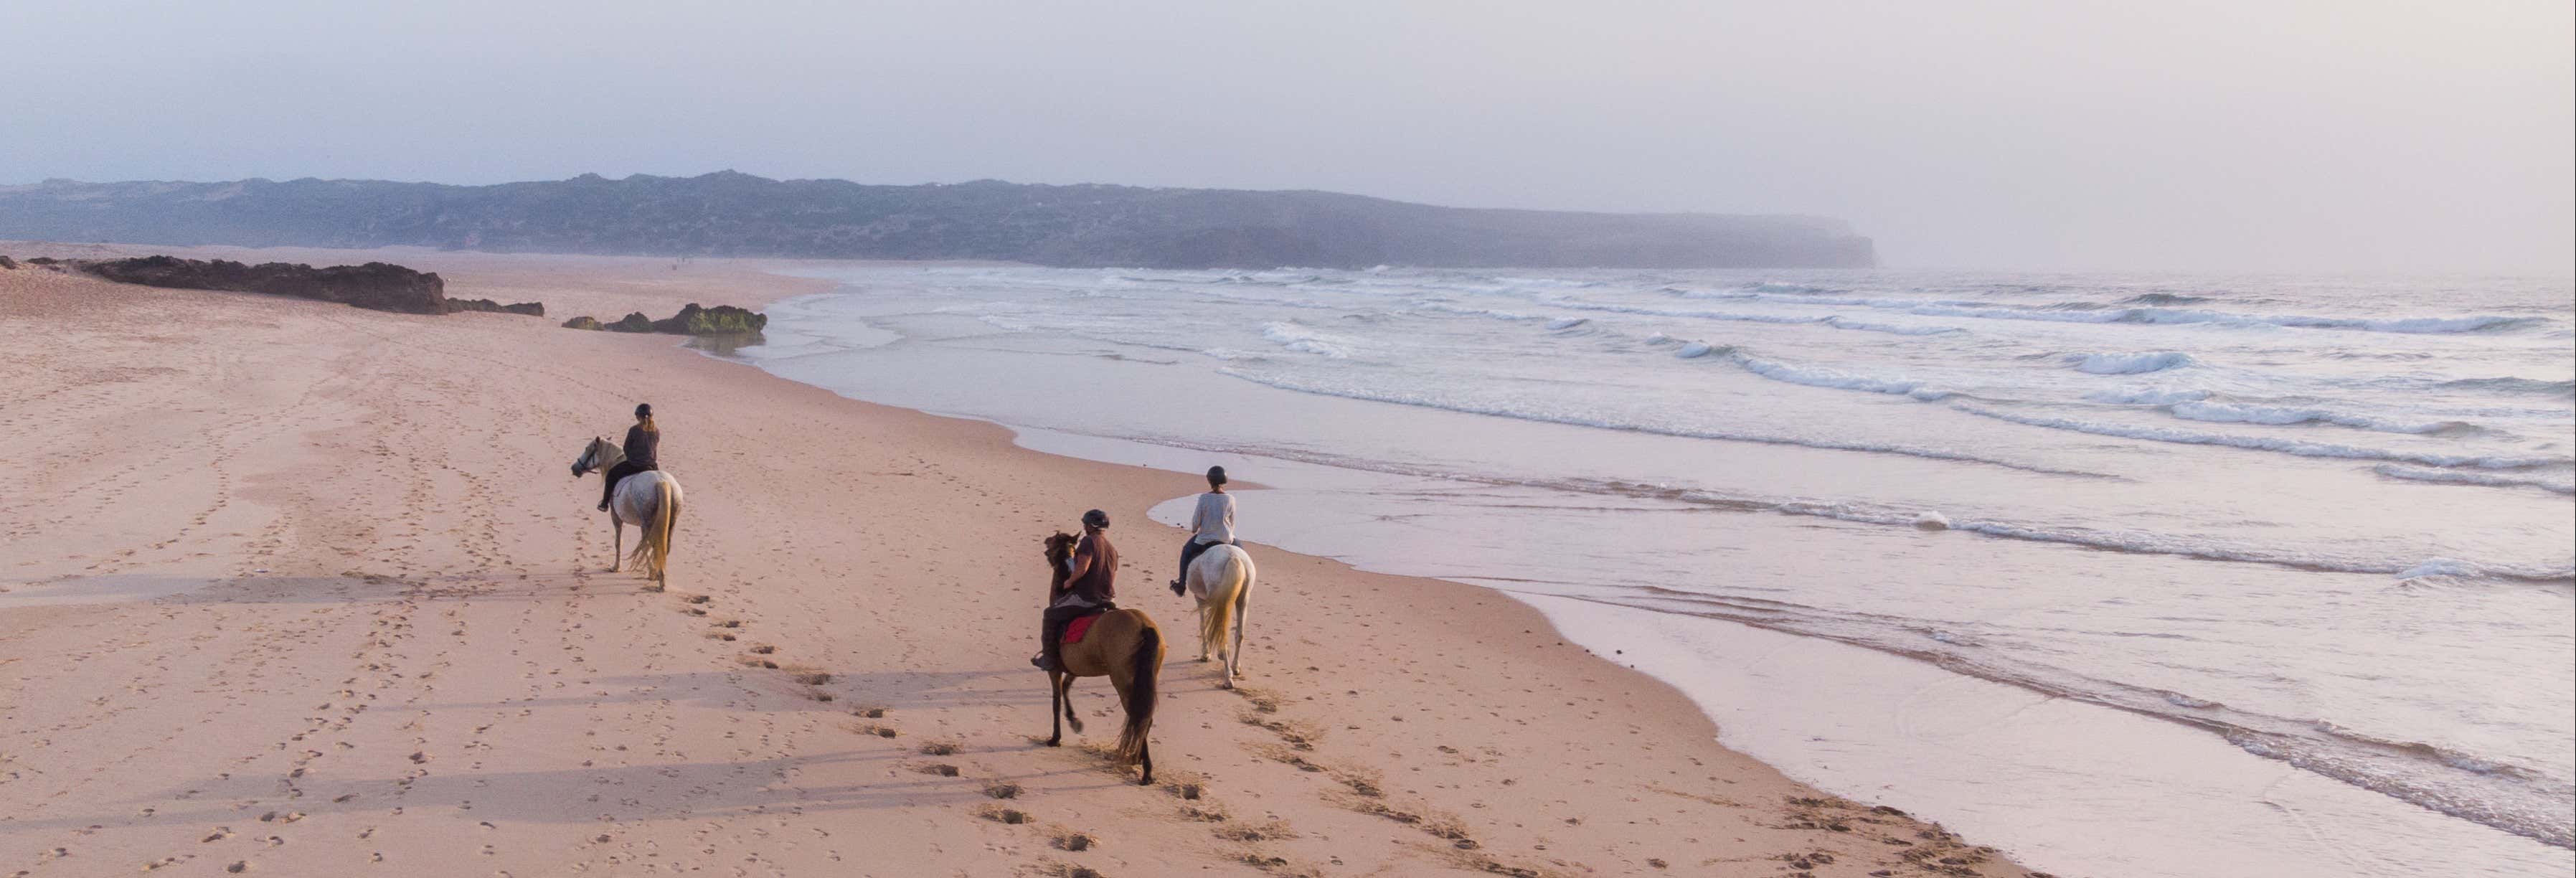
point(642, 441)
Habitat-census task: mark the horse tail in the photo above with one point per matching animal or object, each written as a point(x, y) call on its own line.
point(653, 551)
point(1143, 665)
point(1216, 614)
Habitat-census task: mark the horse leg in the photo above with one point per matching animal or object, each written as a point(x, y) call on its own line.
point(617, 550)
point(1205, 648)
point(1145, 754)
point(1055, 709)
point(1070, 716)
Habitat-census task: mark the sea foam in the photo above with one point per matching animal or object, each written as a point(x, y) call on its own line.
point(2130, 364)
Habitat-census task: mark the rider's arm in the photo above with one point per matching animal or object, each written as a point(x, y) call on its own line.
point(1080, 563)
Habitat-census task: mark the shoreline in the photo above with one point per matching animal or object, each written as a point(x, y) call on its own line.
point(1987, 747)
point(1496, 778)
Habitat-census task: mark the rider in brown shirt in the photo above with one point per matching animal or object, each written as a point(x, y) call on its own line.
point(1090, 583)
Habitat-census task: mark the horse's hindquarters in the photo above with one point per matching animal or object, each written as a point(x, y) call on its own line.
point(638, 496)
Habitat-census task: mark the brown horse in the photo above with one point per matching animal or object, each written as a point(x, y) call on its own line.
point(1122, 645)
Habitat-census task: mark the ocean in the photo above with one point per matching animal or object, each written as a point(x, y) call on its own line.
point(2128, 574)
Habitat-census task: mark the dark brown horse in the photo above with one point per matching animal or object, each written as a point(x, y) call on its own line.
point(1122, 645)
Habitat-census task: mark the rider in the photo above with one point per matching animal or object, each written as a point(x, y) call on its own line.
point(1211, 525)
point(640, 442)
point(1089, 584)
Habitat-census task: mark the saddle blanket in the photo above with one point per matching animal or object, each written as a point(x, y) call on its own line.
point(1074, 630)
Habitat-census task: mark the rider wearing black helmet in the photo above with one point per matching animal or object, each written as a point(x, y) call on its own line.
point(1211, 524)
point(642, 441)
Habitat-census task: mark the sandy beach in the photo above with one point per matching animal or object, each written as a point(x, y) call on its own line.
point(293, 588)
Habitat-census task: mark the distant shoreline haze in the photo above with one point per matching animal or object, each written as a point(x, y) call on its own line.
point(728, 213)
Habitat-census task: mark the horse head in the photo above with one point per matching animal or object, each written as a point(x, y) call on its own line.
point(1059, 548)
point(589, 459)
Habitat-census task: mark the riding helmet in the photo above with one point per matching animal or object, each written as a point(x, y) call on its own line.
point(1095, 518)
point(1216, 475)
point(643, 409)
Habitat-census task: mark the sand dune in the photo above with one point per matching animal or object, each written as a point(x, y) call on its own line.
point(292, 588)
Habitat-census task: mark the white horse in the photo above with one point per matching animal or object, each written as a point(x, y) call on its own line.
point(1221, 579)
point(649, 499)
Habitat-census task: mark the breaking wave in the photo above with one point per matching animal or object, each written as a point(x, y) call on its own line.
point(2086, 312)
point(1818, 377)
point(2130, 364)
point(2298, 447)
point(2152, 396)
point(1305, 341)
point(2246, 413)
point(2459, 477)
point(1425, 401)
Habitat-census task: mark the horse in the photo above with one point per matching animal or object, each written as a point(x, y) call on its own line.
point(1221, 579)
point(1122, 645)
point(649, 499)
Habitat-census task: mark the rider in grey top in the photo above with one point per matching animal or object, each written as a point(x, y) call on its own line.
point(1211, 524)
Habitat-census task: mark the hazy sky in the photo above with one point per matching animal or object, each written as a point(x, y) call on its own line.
point(2334, 135)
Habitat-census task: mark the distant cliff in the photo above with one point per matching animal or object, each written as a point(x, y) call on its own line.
point(733, 214)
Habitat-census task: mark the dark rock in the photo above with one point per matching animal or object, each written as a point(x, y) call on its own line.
point(376, 285)
point(43, 260)
point(8, 263)
point(532, 309)
point(583, 322)
point(632, 322)
point(719, 320)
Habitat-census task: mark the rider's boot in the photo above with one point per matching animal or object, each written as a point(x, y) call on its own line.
point(1049, 657)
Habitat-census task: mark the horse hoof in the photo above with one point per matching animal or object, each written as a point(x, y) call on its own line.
point(1055, 742)
point(1203, 658)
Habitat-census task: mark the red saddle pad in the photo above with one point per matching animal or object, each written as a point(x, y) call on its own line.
point(1074, 630)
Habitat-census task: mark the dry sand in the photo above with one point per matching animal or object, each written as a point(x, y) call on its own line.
point(292, 588)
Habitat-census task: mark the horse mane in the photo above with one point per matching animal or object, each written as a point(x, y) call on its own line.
point(602, 453)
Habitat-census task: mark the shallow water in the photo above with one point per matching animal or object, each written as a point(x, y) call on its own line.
point(2280, 565)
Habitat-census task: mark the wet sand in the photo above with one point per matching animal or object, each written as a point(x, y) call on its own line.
point(308, 590)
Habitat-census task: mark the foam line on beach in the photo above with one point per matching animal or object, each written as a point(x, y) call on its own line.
point(2512, 798)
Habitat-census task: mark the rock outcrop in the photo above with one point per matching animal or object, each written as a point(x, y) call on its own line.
point(695, 319)
point(8, 263)
point(532, 309)
point(719, 320)
point(378, 286)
